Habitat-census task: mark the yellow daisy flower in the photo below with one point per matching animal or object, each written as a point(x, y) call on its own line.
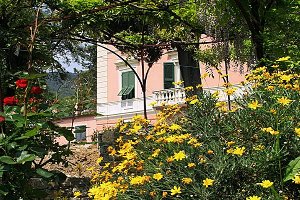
point(77, 194)
point(265, 183)
point(175, 190)
point(186, 180)
point(253, 198)
point(284, 101)
point(296, 179)
point(208, 182)
point(158, 176)
point(179, 156)
point(254, 105)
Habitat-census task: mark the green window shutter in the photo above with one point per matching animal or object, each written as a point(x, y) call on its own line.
point(131, 85)
point(124, 83)
point(130, 79)
point(128, 85)
point(168, 75)
point(125, 80)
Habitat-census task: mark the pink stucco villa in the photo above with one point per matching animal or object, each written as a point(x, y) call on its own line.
point(119, 94)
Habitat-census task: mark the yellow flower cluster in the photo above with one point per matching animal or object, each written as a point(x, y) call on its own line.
point(272, 81)
point(105, 191)
point(167, 161)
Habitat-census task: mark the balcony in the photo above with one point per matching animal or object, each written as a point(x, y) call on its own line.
point(170, 96)
point(177, 95)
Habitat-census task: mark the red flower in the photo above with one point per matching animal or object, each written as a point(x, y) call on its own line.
point(22, 83)
point(36, 90)
point(2, 119)
point(10, 101)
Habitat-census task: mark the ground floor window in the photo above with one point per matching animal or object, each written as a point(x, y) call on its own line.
point(80, 133)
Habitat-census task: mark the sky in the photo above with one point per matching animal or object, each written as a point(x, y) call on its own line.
point(69, 67)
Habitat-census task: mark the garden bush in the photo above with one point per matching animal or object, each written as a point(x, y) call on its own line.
point(27, 139)
point(207, 151)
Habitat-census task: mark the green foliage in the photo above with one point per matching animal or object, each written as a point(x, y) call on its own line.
point(27, 142)
point(80, 5)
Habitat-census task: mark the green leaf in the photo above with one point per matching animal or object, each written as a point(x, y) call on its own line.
point(67, 134)
point(12, 145)
point(19, 120)
point(18, 117)
point(292, 169)
point(29, 134)
point(44, 173)
point(25, 157)
point(23, 147)
point(62, 131)
point(34, 76)
point(7, 159)
point(39, 151)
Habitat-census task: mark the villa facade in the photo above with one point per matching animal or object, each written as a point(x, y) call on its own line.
point(119, 94)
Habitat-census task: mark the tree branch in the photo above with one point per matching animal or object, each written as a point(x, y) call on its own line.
point(245, 14)
point(89, 12)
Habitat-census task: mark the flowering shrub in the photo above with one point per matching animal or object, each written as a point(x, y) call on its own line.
point(208, 152)
point(27, 140)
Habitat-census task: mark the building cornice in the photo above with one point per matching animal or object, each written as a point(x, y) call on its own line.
point(124, 115)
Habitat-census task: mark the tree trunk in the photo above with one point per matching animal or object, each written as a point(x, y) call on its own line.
point(258, 43)
point(189, 67)
point(255, 17)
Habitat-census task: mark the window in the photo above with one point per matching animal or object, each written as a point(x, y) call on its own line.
point(127, 91)
point(80, 133)
point(168, 75)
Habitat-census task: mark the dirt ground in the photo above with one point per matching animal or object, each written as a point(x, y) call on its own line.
point(83, 157)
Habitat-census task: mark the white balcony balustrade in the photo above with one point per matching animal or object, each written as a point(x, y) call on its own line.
point(170, 96)
point(177, 95)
